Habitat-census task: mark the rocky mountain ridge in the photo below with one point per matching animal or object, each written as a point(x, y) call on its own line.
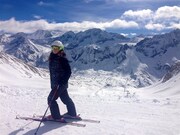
point(145, 62)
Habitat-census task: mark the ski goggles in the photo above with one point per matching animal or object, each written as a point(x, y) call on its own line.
point(57, 47)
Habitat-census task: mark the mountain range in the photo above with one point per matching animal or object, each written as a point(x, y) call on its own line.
point(143, 60)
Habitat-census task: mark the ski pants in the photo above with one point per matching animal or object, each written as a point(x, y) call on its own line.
point(64, 96)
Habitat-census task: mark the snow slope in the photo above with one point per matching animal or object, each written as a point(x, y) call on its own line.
point(122, 110)
point(14, 71)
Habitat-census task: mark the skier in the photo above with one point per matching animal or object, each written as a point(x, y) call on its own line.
point(60, 73)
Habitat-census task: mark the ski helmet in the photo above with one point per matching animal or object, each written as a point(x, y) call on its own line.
point(58, 44)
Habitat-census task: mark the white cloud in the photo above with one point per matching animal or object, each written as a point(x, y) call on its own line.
point(129, 34)
point(139, 14)
point(152, 26)
point(127, 1)
point(167, 17)
point(175, 26)
point(14, 26)
point(117, 23)
point(133, 34)
point(167, 12)
point(162, 18)
point(117, 1)
point(124, 34)
point(88, 1)
point(161, 13)
point(37, 17)
point(41, 3)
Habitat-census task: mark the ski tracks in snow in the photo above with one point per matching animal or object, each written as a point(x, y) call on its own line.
point(120, 113)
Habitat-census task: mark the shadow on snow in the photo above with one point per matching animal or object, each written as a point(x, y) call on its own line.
point(47, 127)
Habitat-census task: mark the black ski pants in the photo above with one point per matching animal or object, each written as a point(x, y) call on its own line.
point(64, 96)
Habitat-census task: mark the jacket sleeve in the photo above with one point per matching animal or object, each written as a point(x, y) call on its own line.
point(67, 71)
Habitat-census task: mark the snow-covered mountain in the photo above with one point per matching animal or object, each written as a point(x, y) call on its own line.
point(32, 47)
point(12, 66)
point(4, 38)
point(16, 72)
point(44, 37)
point(97, 57)
point(159, 44)
point(144, 63)
point(40, 34)
point(90, 37)
point(20, 46)
point(173, 71)
point(131, 60)
point(159, 52)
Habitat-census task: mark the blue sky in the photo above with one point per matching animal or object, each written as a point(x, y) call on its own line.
point(122, 16)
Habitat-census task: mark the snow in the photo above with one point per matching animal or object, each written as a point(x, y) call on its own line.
point(99, 95)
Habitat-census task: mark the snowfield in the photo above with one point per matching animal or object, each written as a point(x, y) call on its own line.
point(122, 110)
point(100, 95)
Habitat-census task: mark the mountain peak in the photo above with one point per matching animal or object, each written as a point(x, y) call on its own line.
point(19, 34)
point(158, 44)
point(94, 30)
point(40, 34)
point(173, 71)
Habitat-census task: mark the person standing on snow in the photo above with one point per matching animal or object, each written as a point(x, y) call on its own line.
point(60, 73)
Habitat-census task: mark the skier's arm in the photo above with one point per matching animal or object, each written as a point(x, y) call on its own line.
point(67, 70)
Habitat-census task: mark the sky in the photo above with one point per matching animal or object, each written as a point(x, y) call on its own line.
point(128, 17)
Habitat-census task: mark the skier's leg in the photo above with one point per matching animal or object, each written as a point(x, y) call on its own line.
point(54, 108)
point(68, 102)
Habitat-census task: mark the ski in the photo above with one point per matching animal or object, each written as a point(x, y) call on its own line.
point(40, 119)
point(75, 119)
point(84, 120)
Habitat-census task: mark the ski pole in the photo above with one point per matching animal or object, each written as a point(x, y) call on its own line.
point(46, 110)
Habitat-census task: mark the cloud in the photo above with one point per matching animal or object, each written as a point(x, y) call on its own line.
point(167, 12)
point(152, 26)
point(41, 3)
point(175, 26)
point(129, 34)
point(37, 17)
point(163, 18)
point(117, 23)
point(139, 14)
point(127, 1)
point(116, 1)
point(14, 26)
point(133, 34)
point(124, 34)
point(88, 1)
